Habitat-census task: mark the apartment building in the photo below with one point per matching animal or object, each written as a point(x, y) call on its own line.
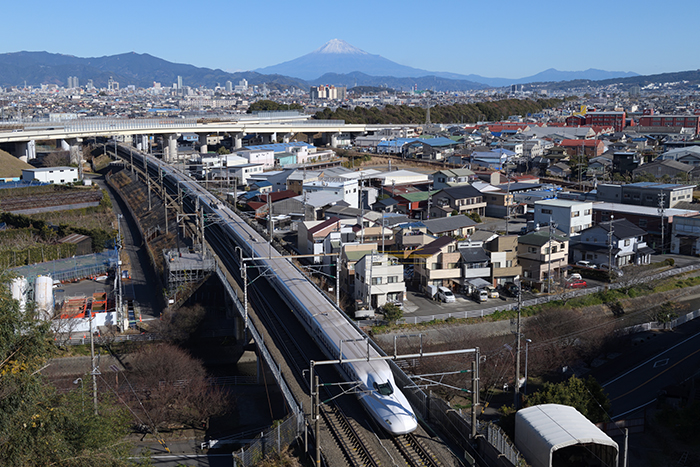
point(379, 280)
point(569, 216)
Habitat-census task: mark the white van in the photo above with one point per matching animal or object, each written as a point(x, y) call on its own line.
point(445, 295)
point(585, 264)
point(480, 295)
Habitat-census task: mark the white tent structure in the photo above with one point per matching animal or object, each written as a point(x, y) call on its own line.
point(553, 435)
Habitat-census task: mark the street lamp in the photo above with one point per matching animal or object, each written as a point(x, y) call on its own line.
point(527, 345)
point(82, 393)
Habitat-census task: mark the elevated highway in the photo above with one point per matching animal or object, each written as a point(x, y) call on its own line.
point(71, 133)
point(164, 126)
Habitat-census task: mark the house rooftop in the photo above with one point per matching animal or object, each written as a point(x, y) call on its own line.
point(448, 224)
point(621, 228)
point(560, 203)
point(541, 237)
point(644, 210)
point(433, 247)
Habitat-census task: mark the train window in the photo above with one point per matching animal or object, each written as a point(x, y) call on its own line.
point(384, 389)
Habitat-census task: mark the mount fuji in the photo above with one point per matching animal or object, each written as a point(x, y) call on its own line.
point(340, 58)
point(337, 56)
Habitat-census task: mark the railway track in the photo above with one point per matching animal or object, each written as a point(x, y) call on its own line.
point(347, 433)
point(349, 439)
point(415, 453)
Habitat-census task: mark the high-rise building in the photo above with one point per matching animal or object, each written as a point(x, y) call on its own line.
point(229, 86)
point(328, 92)
point(241, 87)
point(179, 83)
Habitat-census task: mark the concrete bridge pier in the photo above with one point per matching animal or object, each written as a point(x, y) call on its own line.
point(287, 137)
point(26, 151)
point(334, 140)
point(142, 143)
point(75, 147)
point(203, 149)
point(267, 138)
point(238, 141)
point(170, 152)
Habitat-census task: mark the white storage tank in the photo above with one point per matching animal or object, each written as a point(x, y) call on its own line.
point(43, 296)
point(19, 288)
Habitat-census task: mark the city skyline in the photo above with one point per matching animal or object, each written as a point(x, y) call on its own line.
point(516, 40)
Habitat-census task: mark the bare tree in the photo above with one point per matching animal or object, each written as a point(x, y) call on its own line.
point(173, 387)
point(177, 326)
point(56, 159)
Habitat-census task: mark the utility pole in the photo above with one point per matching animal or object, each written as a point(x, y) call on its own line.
point(148, 180)
point(475, 391)
point(95, 371)
point(362, 208)
point(552, 226)
point(120, 304)
point(507, 200)
point(270, 224)
point(383, 246)
point(516, 391)
point(662, 212)
point(610, 248)
point(317, 423)
point(201, 223)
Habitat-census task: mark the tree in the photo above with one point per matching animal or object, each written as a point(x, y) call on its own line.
point(222, 151)
point(475, 217)
point(177, 326)
point(39, 426)
point(173, 387)
point(392, 312)
point(587, 396)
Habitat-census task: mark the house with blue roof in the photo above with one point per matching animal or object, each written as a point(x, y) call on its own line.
point(421, 148)
point(494, 159)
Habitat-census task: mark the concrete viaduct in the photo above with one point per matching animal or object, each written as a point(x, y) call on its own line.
point(71, 133)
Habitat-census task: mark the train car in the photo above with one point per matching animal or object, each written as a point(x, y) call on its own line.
point(378, 392)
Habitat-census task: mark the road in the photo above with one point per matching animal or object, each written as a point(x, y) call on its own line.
point(655, 361)
point(139, 287)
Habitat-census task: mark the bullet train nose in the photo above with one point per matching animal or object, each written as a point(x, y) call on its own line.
point(400, 424)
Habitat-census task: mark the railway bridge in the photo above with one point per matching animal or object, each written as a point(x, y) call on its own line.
point(276, 332)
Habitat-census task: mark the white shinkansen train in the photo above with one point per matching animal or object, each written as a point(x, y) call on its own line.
point(325, 323)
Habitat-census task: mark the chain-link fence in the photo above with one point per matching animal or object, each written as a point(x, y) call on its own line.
point(271, 442)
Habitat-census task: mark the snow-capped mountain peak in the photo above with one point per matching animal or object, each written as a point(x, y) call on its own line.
point(339, 46)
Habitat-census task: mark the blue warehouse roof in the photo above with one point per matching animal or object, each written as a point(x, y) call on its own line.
point(278, 147)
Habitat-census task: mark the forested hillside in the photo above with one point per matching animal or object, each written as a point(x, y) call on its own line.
point(457, 113)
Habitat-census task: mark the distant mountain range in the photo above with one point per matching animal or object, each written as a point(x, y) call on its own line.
point(335, 63)
point(141, 70)
point(339, 57)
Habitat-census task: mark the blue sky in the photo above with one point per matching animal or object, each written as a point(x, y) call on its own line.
point(497, 38)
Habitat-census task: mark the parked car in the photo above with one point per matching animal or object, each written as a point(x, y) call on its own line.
point(586, 264)
point(493, 293)
point(511, 289)
point(445, 295)
point(480, 295)
point(574, 277)
point(579, 284)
